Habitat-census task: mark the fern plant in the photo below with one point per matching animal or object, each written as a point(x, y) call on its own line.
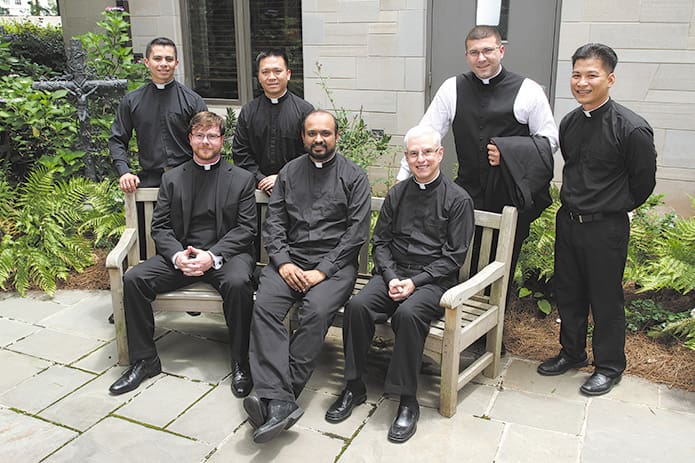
point(40, 238)
point(104, 212)
point(674, 264)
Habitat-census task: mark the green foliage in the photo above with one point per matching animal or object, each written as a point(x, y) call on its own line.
point(230, 123)
point(681, 330)
point(542, 303)
point(108, 53)
point(104, 212)
point(357, 142)
point(40, 240)
point(38, 125)
point(38, 48)
point(645, 314)
point(663, 255)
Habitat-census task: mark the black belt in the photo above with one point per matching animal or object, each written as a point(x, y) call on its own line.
point(586, 218)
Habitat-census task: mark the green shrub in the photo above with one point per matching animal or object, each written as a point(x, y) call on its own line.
point(645, 314)
point(39, 48)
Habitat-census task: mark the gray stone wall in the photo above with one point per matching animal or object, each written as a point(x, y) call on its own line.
point(655, 77)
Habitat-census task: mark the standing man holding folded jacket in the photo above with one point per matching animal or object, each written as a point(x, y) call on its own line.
point(610, 169)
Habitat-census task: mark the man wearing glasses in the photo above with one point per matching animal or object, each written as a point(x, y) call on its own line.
point(420, 242)
point(504, 133)
point(203, 225)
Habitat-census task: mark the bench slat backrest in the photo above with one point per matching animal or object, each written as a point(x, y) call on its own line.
point(488, 222)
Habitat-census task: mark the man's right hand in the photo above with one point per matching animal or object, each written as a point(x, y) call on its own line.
point(267, 183)
point(294, 277)
point(129, 182)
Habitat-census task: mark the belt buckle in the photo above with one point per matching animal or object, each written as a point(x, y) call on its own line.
point(580, 218)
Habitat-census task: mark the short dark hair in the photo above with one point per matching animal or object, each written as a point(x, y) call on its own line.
point(600, 51)
point(162, 41)
point(483, 32)
point(279, 52)
point(206, 119)
point(319, 111)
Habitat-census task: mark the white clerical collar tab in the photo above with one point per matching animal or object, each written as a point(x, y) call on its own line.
point(277, 100)
point(319, 165)
point(207, 166)
point(586, 113)
point(164, 85)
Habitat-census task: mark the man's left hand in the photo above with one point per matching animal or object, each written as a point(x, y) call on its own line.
point(400, 290)
point(313, 277)
point(198, 262)
point(493, 154)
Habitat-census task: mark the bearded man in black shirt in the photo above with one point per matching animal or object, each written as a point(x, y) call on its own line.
point(420, 242)
point(610, 168)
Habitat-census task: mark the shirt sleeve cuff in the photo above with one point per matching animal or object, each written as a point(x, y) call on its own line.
point(217, 261)
point(421, 278)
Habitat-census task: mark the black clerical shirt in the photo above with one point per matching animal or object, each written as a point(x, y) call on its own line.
point(268, 134)
point(610, 159)
point(426, 227)
point(318, 217)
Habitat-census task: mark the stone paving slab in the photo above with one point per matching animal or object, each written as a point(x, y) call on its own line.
point(13, 330)
point(297, 445)
point(92, 402)
point(27, 439)
point(521, 375)
point(100, 360)
point(535, 410)
point(115, 440)
point(31, 309)
point(618, 431)
point(315, 405)
point(17, 368)
point(194, 357)
point(206, 325)
point(40, 391)
point(676, 399)
point(56, 346)
point(161, 403)
point(219, 408)
point(462, 438)
point(522, 444)
point(86, 317)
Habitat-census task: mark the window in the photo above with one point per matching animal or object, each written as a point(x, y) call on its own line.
point(494, 13)
point(224, 37)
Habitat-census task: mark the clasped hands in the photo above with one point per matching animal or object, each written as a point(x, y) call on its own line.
point(194, 262)
point(298, 279)
point(400, 290)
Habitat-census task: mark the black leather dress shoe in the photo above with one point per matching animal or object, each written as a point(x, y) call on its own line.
point(255, 409)
point(281, 415)
point(342, 407)
point(559, 365)
point(599, 384)
point(241, 379)
point(405, 423)
point(136, 374)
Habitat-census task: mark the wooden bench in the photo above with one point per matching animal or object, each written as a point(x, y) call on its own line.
point(474, 307)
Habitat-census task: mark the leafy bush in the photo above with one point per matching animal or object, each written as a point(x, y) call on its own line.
point(645, 314)
point(681, 330)
point(38, 126)
point(39, 48)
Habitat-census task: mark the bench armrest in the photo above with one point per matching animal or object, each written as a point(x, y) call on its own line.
point(463, 291)
point(125, 244)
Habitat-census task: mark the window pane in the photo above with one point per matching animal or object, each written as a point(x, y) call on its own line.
point(213, 48)
point(278, 24)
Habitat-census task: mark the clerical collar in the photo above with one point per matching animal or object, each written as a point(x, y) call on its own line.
point(322, 164)
point(212, 166)
point(429, 185)
point(588, 113)
point(164, 85)
point(487, 81)
point(279, 99)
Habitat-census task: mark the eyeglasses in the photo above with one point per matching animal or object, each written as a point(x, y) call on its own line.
point(202, 136)
point(485, 51)
point(429, 152)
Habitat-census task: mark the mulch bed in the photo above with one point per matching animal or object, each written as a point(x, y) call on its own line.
point(529, 336)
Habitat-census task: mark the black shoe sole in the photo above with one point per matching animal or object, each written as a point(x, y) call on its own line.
point(359, 401)
point(272, 432)
point(564, 370)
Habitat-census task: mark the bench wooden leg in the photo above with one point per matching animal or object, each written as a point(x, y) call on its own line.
point(119, 324)
point(448, 392)
point(494, 346)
